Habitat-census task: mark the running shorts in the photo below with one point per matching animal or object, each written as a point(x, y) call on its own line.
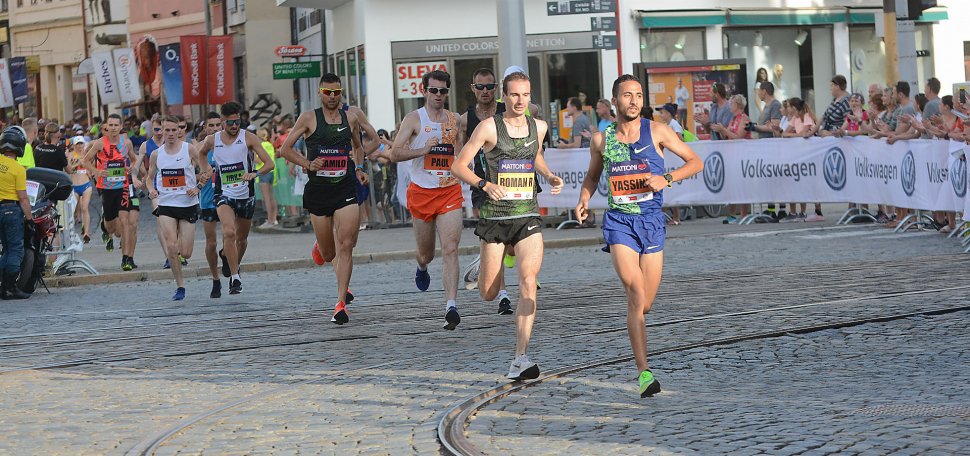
point(508, 231)
point(644, 233)
point(324, 200)
point(268, 178)
point(189, 214)
point(428, 203)
point(363, 191)
point(80, 189)
point(243, 208)
point(114, 201)
point(209, 215)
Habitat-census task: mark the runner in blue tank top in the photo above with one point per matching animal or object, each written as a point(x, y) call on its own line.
point(631, 152)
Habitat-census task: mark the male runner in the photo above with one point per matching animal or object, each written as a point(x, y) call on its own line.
point(173, 167)
point(428, 138)
point(332, 138)
point(141, 166)
point(631, 152)
point(213, 123)
point(510, 214)
point(109, 160)
point(234, 195)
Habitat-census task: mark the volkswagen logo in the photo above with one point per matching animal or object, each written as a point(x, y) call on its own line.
point(958, 177)
point(907, 173)
point(604, 185)
point(714, 172)
point(833, 166)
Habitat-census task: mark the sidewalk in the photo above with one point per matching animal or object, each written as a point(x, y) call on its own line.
point(278, 249)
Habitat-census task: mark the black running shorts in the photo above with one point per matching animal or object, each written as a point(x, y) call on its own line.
point(114, 201)
point(209, 215)
point(323, 200)
point(508, 232)
point(189, 214)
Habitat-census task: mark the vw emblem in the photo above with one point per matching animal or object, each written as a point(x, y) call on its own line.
point(833, 166)
point(714, 172)
point(604, 186)
point(958, 177)
point(907, 173)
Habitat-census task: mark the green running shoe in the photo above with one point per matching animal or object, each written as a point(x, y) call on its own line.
point(648, 385)
point(509, 261)
point(110, 245)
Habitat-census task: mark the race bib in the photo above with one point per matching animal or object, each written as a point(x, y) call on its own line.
point(438, 162)
point(628, 181)
point(518, 177)
point(334, 162)
point(231, 175)
point(32, 189)
point(173, 180)
point(116, 172)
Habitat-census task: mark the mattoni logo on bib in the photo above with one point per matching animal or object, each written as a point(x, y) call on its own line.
point(958, 177)
point(714, 172)
point(834, 168)
point(907, 173)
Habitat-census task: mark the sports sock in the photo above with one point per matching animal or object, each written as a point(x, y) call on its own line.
point(422, 267)
point(502, 295)
point(451, 303)
point(235, 277)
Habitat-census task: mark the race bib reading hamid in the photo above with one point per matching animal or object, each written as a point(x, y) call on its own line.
point(628, 181)
point(334, 162)
point(438, 162)
point(518, 177)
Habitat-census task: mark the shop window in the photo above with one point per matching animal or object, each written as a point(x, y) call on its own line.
point(575, 74)
point(351, 89)
point(868, 57)
point(671, 45)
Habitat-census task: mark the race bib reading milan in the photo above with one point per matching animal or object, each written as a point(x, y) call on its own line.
point(628, 181)
point(438, 162)
point(518, 177)
point(334, 162)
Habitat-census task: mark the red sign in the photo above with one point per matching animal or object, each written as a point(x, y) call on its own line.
point(290, 51)
point(194, 82)
point(220, 69)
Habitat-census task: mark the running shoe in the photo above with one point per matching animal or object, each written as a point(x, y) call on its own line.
point(422, 279)
point(734, 220)
point(509, 261)
point(945, 229)
point(505, 306)
point(125, 264)
point(179, 294)
point(882, 217)
point(801, 217)
point(131, 262)
point(225, 266)
point(183, 260)
point(452, 318)
point(648, 385)
point(538, 285)
point(523, 369)
point(104, 234)
point(235, 287)
point(816, 217)
point(340, 314)
point(470, 276)
point(317, 258)
point(730, 219)
point(216, 289)
point(109, 245)
point(87, 239)
point(166, 265)
point(789, 218)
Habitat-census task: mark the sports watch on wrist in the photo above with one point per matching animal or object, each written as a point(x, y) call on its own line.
point(481, 184)
point(670, 180)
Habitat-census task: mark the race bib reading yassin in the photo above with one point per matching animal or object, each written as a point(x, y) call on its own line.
point(628, 181)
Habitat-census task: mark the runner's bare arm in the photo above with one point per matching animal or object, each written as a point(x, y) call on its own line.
point(204, 165)
point(541, 167)
point(90, 156)
point(401, 152)
point(668, 140)
point(150, 180)
point(366, 127)
point(199, 181)
point(300, 129)
point(462, 126)
point(255, 145)
point(358, 152)
point(591, 181)
point(483, 136)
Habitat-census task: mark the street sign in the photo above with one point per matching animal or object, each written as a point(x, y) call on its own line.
point(602, 24)
point(290, 51)
point(33, 64)
point(296, 70)
point(606, 42)
point(561, 8)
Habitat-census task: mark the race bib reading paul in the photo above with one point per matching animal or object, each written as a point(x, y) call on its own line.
point(518, 177)
point(438, 162)
point(231, 175)
point(334, 162)
point(628, 181)
point(173, 180)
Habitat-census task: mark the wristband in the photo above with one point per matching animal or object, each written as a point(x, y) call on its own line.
point(199, 185)
point(360, 167)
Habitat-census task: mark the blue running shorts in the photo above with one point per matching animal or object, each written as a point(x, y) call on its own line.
point(644, 233)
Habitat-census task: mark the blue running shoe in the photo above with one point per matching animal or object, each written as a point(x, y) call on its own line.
point(179, 294)
point(422, 279)
point(166, 265)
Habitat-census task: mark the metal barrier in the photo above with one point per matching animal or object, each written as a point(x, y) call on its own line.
point(71, 243)
point(860, 211)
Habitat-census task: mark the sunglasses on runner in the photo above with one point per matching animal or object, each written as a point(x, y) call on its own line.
point(158, 128)
point(329, 92)
point(234, 122)
point(484, 86)
point(183, 126)
point(437, 90)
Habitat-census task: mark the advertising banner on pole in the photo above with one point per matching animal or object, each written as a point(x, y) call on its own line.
point(6, 91)
point(220, 69)
point(172, 72)
point(104, 72)
point(194, 82)
point(18, 79)
point(127, 71)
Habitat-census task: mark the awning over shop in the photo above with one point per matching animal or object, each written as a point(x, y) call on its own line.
point(771, 16)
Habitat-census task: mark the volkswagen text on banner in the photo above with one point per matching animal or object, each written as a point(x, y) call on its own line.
point(6, 91)
point(104, 72)
point(18, 79)
point(127, 71)
point(220, 69)
point(194, 82)
point(172, 73)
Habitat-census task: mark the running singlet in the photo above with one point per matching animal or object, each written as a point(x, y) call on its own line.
point(232, 162)
point(429, 171)
point(75, 161)
point(511, 164)
point(470, 125)
point(150, 146)
point(333, 142)
point(176, 175)
point(627, 167)
point(206, 194)
point(115, 161)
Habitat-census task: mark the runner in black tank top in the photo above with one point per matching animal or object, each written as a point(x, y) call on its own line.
point(333, 154)
point(510, 216)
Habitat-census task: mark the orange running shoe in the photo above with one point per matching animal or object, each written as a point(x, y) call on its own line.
point(317, 258)
point(340, 314)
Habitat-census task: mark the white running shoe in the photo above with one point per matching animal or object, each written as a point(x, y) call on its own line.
point(523, 369)
point(470, 276)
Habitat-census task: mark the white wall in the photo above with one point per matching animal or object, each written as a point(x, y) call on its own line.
point(948, 41)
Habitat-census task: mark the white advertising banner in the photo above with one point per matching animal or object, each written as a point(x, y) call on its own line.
point(104, 72)
point(6, 89)
point(128, 86)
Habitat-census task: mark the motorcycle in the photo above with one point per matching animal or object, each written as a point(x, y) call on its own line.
point(47, 187)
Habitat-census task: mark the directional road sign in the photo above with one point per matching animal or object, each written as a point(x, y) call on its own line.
point(561, 8)
point(606, 42)
point(603, 24)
